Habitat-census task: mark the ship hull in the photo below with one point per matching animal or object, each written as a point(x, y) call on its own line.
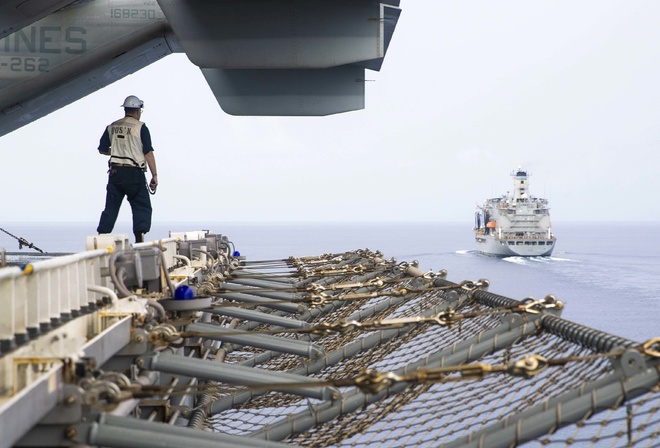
point(490, 245)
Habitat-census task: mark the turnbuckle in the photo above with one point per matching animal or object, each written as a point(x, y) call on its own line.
point(342, 326)
point(317, 300)
point(377, 282)
point(528, 367)
point(468, 285)
point(446, 318)
point(532, 306)
point(471, 287)
point(372, 381)
point(648, 350)
point(315, 287)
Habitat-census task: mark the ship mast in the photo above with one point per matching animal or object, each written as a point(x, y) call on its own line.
point(520, 185)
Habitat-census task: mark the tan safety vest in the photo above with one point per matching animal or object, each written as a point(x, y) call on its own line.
point(125, 142)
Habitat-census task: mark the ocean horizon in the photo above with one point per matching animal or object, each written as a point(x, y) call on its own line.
point(606, 273)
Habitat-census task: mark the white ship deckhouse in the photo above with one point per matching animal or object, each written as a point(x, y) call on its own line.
point(515, 224)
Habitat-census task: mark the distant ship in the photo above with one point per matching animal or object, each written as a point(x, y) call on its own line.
point(515, 225)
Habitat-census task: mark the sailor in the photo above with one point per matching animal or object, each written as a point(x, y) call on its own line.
point(128, 143)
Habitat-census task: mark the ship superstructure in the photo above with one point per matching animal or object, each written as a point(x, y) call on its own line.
point(515, 224)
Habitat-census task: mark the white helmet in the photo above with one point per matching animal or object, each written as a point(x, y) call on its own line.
point(133, 102)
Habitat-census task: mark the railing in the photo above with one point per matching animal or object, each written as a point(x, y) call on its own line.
point(59, 313)
point(505, 237)
point(37, 296)
point(41, 295)
point(527, 237)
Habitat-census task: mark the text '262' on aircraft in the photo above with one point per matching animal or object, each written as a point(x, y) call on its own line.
point(259, 57)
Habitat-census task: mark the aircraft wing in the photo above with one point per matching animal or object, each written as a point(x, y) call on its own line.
point(17, 14)
point(260, 57)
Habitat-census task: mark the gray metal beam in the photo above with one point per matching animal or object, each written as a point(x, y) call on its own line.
point(277, 295)
point(257, 283)
point(234, 374)
point(258, 316)
point(268, 342)
point(596, 340)
point(113, 431)
point(264, 301)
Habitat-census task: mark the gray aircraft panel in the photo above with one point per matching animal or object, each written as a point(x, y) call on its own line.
point(277, 34)
point(62, 94)
point(17, 14)
point(288, 92)
point(390, 19)
point(88, 44)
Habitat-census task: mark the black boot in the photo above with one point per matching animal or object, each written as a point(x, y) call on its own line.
point(139, 237)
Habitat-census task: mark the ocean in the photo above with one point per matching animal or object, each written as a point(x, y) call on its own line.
point(607, 274)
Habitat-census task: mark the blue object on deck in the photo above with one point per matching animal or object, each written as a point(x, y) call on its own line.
point(184, 292)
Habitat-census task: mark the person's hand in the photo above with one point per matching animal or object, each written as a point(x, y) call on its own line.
point(154, 182)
